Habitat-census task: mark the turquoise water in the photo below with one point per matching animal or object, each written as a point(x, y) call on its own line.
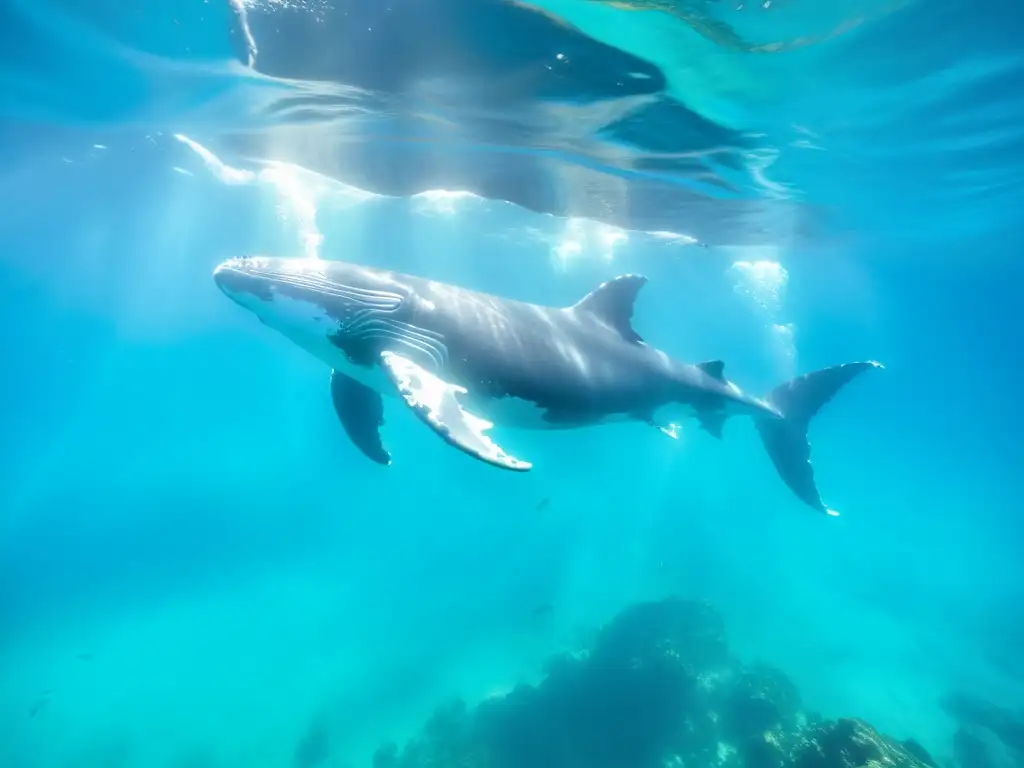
point(197, 568)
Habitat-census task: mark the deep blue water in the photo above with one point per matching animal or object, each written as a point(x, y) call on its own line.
point(198, 569)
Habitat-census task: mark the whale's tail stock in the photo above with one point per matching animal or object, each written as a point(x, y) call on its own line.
point(785, 438)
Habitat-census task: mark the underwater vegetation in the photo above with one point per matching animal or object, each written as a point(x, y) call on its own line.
point(659, 688)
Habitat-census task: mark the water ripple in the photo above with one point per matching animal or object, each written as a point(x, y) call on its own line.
point(645, 114)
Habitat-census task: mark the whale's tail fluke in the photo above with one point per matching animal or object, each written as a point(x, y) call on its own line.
point(785, 438)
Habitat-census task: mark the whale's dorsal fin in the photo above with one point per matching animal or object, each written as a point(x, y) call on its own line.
point(713, 368)
point(612, 303)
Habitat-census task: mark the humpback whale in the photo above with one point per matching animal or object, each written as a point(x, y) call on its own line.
point(465, 361)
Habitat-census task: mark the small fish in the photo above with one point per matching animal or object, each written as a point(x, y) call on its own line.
point(542, 610)
point(40, 703)
point(544, 503)
point(86, 656)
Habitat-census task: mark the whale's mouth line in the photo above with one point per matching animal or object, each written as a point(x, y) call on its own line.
point(369, 315)
point(370, 299)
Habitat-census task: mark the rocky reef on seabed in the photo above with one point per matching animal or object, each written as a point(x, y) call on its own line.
point(988, 737)
point(658, 689)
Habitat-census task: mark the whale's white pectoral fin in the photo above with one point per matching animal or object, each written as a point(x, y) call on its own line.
point(435, 402)
point(672, 430)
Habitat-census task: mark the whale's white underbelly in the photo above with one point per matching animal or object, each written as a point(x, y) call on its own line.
point(308, 325)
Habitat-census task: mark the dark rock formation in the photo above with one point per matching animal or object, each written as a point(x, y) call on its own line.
point(848, 743)
point(659, 689)
point(314, 747)
point(989, 736)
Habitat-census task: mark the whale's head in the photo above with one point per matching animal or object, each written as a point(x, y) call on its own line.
point(286, 294)
point(322, 306)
